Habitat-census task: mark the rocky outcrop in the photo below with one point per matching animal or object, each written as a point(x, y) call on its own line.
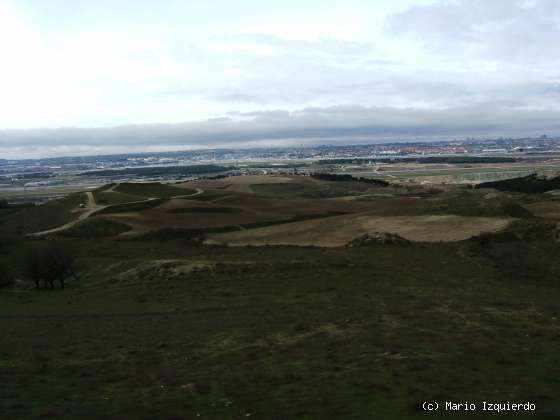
point(377, 238)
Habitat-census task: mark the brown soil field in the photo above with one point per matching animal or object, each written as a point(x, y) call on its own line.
point(252, 209)
point(243, 184)
point(545, 209)
point(339, 230)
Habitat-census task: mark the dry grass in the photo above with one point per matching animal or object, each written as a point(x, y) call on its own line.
point(248, 209)
point(243, 184)
point(545, 209)
point(339, 230)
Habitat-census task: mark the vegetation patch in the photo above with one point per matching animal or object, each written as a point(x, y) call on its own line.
point(427, 160)
point(276, 189)
point(132, 207)
point(349, 178)
point(29, 218)
point(115, 197)
point(530, 184)
point(184, 234)
point(96, 228)
point(475, 205)
point(160, 171)
point(206, 210)
point(181, 233)
point(152, 189)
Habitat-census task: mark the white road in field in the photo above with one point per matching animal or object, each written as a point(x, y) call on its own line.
point(92, 207)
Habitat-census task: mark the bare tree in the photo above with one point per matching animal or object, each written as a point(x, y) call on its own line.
point(6, 277)
point(51, 264)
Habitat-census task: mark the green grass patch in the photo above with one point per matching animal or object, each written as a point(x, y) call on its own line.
point(96, 228)
point(153, 190)
point(25, 219)
point(160, 171)
point(207, 196)
point(115, 197)
point(206, 210)
point(530, 184)
point(179, 233)
point(132, 207)
point(156, 330)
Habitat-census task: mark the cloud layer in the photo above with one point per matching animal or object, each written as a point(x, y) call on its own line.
point(311, 126)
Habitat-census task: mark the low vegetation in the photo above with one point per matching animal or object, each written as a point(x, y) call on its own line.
point(23, 219)
point(278, 189)
point(530, 184)
point(219, 210)
point(427, 160)
point(200, 233)
point(152, 190)
point(114, 197)
point(96, 228)
point(50, 264)
point(349, 178)
point(443, 295)
point(159, 171)
point(6, 276)
point(132, 207)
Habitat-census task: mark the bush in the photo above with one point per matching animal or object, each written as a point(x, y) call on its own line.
point(349, 178)
point(49, 265)
point(6, 277)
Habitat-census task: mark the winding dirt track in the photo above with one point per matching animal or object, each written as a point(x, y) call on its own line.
point(91, 207)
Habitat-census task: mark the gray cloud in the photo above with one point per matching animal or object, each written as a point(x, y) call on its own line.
point(335, 125)
point(516, 31)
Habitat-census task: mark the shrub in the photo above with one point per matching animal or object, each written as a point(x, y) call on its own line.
point(49, 265)
point(6, 277)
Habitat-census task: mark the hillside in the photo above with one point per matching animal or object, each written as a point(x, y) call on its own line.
point(357, 303)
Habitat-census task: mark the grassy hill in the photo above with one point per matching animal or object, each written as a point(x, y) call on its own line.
point(31, 218)
point(161, 326)
point(173, 331)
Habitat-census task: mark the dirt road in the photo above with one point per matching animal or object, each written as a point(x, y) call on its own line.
point(92, 207)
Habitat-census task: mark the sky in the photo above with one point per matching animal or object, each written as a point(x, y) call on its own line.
point(111, 76)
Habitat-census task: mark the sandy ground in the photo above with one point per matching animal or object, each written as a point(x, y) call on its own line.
point(339, 230)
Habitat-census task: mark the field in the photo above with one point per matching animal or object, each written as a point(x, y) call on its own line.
point(170, 317)
point(33, 218)
point(454, 173)
point(342, 229)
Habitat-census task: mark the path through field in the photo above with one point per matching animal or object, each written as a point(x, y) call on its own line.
point(92, 207)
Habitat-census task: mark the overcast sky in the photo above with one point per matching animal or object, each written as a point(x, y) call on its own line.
point(104, 76)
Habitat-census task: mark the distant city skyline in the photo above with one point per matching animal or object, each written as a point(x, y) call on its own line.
point(87, 77)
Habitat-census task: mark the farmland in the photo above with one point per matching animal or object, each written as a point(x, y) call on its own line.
point(455, 173)
point(241, 297)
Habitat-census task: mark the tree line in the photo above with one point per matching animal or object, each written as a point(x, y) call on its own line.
point(349, 178)
point(48, 267)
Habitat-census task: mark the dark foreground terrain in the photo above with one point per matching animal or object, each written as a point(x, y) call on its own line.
point(168, 328)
